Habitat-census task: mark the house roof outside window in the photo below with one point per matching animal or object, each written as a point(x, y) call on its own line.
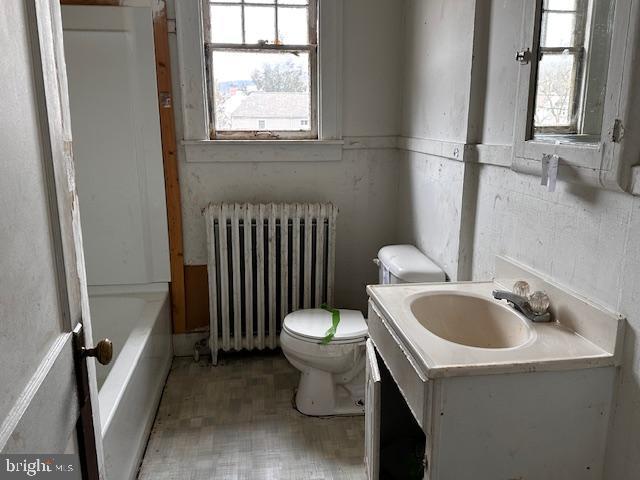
point(273, 105)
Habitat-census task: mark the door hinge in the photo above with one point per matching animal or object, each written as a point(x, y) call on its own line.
point(165, 100)
point(523, 56)
point(617, 131)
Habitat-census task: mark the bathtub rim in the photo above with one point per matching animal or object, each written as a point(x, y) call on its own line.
point(156, 297)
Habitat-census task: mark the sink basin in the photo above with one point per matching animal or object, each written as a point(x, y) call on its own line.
point(470, 320)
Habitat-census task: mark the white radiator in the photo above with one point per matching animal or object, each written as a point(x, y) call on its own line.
point(283, 262)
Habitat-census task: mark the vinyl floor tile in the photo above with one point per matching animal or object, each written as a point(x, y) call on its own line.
point(236, 421)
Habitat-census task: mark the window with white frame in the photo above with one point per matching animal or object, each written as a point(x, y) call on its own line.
point(573, 59)
point(261, 58)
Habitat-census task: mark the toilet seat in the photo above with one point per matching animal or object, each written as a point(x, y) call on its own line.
point(311, 325)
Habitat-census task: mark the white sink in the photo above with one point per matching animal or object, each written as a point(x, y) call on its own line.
point(458, 329)
point(473, 371)
point(471, 320)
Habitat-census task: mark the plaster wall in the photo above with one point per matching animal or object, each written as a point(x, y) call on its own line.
point(429, 202)
point(437, 69)
point(362, 185)
point(372, 67)
point(584, 238)
point(495, 75)
point(435, 105)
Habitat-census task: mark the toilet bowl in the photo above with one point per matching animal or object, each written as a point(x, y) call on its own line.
point(332, 376)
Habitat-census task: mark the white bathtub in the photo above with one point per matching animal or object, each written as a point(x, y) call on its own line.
point(138, 321)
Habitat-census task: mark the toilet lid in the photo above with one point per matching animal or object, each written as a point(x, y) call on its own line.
point(313, 323)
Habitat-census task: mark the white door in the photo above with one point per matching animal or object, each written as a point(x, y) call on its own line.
point(46, 385)
point(372, 414)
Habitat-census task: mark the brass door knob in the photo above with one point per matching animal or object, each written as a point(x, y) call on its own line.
point(103, 351)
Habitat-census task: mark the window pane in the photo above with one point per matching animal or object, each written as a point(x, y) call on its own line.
point(557, 29)
point(260, 24)
point(554, 94)
point(271, 2)
point(567, 5)
point(293, 28)
point(226, 24)
point(293, 2)
point(261, 91)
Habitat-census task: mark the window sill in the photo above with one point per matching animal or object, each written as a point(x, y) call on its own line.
point(207, 151)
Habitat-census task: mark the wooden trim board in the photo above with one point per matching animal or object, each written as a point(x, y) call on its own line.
point(197, 295)
point(172, 184)
point(170, 161)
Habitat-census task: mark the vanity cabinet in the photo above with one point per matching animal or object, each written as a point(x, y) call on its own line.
point(523, 425)
point(395, 444)
point(372, 399)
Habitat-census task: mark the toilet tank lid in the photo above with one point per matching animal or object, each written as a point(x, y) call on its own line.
point(409, 264)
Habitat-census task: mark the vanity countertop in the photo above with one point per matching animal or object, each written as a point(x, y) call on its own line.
point(583, 335)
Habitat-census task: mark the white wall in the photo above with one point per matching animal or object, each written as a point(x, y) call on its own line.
point(363, 184)
point(430, 202)
point(437, 68)
point(372, 63)
point(584, 238)
point(438, 35)
point(464, 212)
point(110, 63)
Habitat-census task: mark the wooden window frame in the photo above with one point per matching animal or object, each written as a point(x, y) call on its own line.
point(199, 147)
point(577, 51)
point(311, 48)
point(604, 160)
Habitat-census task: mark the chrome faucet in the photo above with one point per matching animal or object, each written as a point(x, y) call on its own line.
point(535, 306)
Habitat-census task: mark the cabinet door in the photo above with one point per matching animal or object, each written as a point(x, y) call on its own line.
point(372, 414)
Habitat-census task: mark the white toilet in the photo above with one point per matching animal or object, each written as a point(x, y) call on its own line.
point(332, 375)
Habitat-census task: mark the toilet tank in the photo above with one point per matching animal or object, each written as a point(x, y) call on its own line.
point(407, 264)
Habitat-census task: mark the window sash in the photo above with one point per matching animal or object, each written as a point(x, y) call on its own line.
point(576, 91)
point(311, 49)
point(309, 6)
point(577, 51)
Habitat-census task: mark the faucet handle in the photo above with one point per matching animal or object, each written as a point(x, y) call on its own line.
point(521, 288)
point(539, 302)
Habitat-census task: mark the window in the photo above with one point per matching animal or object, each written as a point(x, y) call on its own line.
point(322, 53)
point(261, 59)
point(590, 46)
point(570, 67)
